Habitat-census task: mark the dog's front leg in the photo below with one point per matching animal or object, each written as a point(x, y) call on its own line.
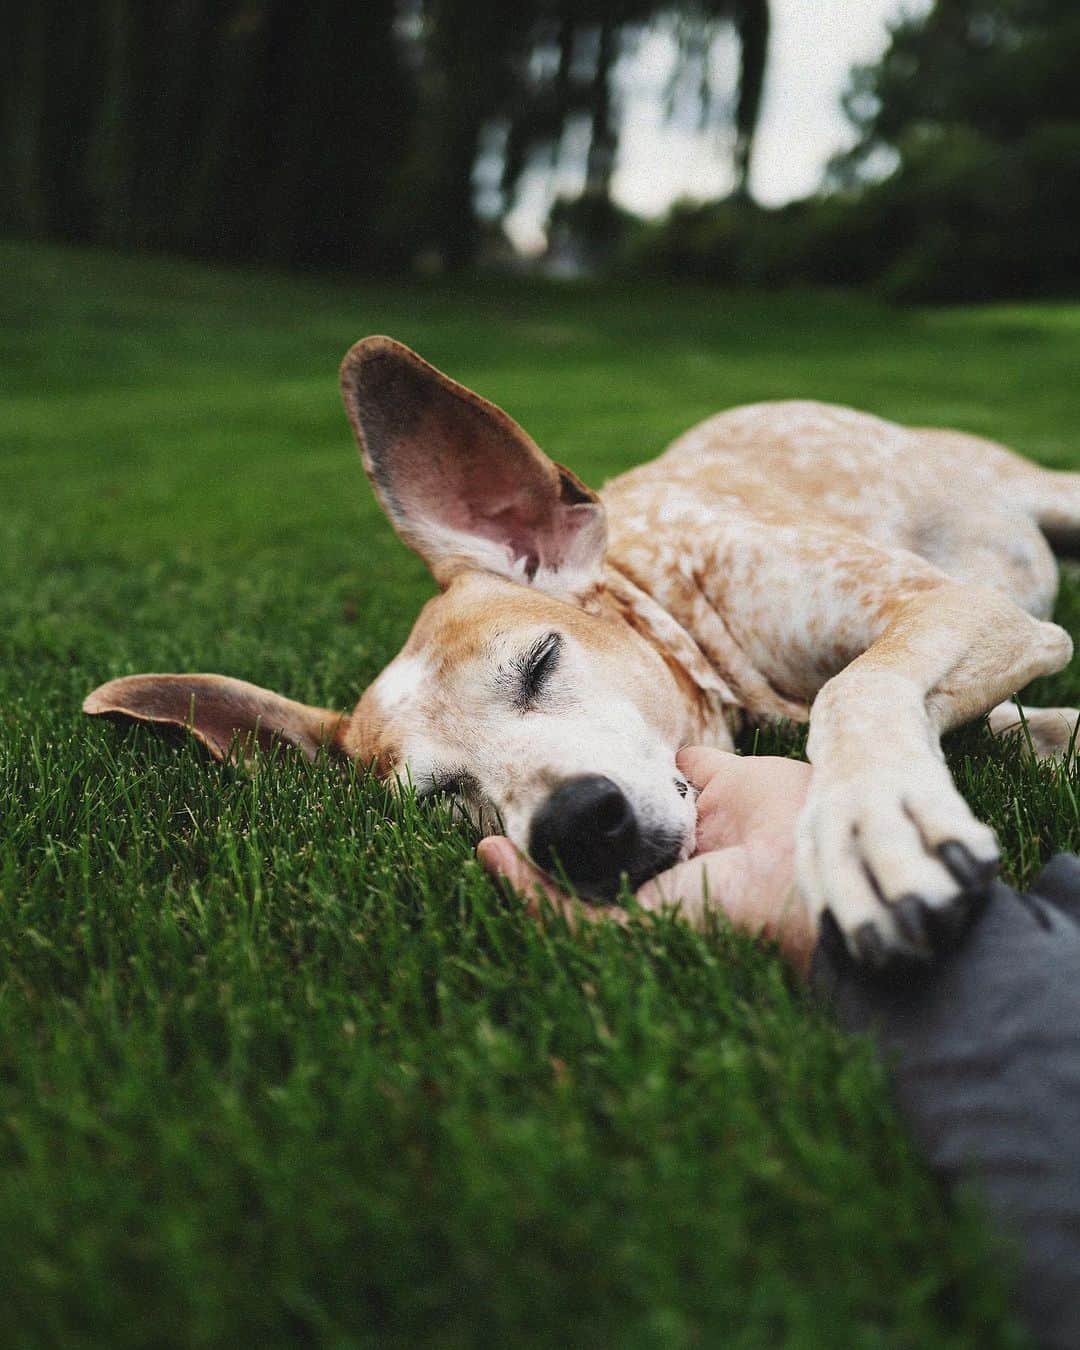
point(886, 844)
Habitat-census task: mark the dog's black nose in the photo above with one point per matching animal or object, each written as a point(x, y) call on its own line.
point(588, 829)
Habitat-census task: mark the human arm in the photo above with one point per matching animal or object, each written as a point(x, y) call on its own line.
point(984, 1053)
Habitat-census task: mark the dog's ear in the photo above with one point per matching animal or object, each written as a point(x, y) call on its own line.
point(227, 716)
point(463, 485)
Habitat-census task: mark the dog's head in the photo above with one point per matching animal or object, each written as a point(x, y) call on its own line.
point(521, 691)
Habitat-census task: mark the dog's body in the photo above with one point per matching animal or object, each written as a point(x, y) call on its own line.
point(779, 560)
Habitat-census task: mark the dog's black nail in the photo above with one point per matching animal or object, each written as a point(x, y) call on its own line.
point(831, 937)
point(869, 945)
point(968, 870)
point(913, 920)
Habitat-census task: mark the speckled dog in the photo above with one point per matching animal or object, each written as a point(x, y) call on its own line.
point(791, 560)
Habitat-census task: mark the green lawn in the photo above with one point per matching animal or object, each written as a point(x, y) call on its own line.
point(277, 1064)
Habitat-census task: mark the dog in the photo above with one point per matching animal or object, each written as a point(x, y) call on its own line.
point(788, 560)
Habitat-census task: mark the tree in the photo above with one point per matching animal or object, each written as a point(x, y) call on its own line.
point(211, 127)
point(574, 52)
point(466, 55)
point(203, 126)
point(997, 68)
point(978, 106)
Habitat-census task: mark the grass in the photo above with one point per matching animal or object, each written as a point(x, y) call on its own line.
point(277, 1064)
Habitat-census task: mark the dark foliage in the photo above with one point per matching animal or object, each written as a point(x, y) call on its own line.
point(979, 106)
point(326, 133)
point(203, 127)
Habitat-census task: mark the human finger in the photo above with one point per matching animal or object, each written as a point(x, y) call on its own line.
point(707, 882)
point(750, 885)
point(701, 763)
point(500, 858)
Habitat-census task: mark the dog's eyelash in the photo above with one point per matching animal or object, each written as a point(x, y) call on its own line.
point(447, 783)
point(534, 667)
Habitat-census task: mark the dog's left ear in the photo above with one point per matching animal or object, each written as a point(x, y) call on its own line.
point(230, 717)
point(463, 485)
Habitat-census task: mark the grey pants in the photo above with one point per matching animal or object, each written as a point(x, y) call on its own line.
point(984, 1048)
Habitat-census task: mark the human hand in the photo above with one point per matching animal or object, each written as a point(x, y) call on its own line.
point(743, 859)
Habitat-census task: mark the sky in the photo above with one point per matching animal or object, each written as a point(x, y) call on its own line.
point(812, 46)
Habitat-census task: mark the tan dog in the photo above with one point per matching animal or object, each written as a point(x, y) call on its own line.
point(789, 560)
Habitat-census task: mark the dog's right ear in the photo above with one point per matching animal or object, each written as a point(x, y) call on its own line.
point(226, 715)
point(462, 483)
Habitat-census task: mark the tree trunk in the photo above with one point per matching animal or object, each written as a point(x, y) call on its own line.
point(604, 135)
point(109, 169)
point(752, 27)
point(25, 65)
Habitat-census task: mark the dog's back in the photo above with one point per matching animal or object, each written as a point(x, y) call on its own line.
point(964, 504)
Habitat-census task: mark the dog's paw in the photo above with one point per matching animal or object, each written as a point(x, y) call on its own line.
point(898, 860)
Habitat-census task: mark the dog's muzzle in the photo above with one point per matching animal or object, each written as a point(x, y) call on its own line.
point(587, 831)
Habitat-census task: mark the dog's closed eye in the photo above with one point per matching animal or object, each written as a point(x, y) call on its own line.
point(448, 783)
point(533, 668)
